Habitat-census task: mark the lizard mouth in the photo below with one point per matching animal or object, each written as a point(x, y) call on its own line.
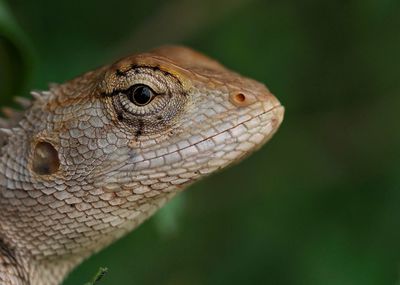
point(275, 122)
point(203, 156)
point(212, 144)
point(260, 127)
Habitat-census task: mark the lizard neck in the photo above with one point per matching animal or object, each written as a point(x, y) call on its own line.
point(17, 268)
point(13, 269)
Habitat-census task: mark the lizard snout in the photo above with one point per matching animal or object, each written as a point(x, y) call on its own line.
point(243, 99)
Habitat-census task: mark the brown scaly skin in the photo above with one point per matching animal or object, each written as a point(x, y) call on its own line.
point(91, 159)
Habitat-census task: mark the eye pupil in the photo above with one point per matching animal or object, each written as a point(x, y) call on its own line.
point(141, 95)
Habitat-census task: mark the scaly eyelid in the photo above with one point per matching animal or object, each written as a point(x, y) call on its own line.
point(112, 77)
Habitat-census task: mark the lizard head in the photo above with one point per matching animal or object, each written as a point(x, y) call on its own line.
point(152, 123)
point(184, 115)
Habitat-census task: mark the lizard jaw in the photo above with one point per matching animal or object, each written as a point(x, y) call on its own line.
point(187, 163)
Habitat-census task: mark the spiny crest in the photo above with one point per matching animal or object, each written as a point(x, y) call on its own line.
point(11, 116)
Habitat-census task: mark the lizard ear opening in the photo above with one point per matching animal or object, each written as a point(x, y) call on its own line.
point(45, 159)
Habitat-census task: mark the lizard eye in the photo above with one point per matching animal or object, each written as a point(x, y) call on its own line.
point(140, 95)
point(146, 100)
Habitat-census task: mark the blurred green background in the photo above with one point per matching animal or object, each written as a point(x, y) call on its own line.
point(320, 204)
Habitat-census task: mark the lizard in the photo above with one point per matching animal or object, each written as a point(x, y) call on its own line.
point(89, 160)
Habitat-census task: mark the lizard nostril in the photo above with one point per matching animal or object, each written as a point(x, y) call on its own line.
point(45, 159)
point(239, 99)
